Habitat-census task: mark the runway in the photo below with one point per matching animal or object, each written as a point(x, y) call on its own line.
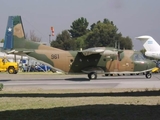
point(53, 81)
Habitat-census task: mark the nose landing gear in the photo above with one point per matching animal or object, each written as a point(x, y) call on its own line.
point(92, 75)
point(148, 75)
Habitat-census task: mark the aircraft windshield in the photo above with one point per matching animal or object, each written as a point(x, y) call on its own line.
point(138, 57)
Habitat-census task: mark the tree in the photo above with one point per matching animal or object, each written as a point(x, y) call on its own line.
point(79, 27)
point(101, 34)
point(125, 43)
point(80, 41)
point(143, 51)
point(64, 41)
point(33, 37)
point(92, 26)
point(2, 41)
point(106, 34)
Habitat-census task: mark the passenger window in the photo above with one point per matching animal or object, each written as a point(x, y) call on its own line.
point(71, 60)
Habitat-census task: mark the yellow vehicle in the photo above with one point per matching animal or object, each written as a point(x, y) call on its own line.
point(156, 70)
point(7, 66)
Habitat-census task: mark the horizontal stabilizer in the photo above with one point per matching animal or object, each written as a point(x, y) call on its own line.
point(18, 52)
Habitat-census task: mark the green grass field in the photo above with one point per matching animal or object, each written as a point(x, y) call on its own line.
point(89, 104)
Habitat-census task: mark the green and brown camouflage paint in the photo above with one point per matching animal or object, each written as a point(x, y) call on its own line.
point(75, 61)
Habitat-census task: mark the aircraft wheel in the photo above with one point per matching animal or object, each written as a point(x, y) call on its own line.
point(106, 74)
point(148, 75)
point(92, 75)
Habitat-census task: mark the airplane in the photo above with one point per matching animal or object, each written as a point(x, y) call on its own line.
point(151, 46)
point(91, 61)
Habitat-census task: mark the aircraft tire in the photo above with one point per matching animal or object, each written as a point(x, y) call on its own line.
point(148, 75)
point(92, 75)
point(106, 74)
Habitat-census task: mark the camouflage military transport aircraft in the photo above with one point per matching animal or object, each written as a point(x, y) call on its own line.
point(91, 61)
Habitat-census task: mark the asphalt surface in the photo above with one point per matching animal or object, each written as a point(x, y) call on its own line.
point(54, 81)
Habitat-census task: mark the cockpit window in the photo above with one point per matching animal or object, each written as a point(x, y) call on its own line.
point(138, 57)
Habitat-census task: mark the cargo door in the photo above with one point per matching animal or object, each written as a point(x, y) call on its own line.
point(70, 60)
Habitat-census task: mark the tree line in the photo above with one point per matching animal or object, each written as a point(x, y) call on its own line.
point(100, 34)
point(81, 35)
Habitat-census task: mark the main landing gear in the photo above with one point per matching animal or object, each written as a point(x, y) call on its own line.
point(92, 75)
point(148, 75)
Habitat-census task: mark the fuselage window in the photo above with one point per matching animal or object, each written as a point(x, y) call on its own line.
point(80, 60)
point(71, 60)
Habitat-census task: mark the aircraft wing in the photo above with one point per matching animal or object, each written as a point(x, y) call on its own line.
point(90, 51)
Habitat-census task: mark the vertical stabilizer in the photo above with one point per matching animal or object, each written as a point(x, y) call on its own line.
point(15, 37)
point(14, 31)
point(149, 43)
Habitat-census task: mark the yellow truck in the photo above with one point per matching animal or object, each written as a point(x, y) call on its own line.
point(7, 66)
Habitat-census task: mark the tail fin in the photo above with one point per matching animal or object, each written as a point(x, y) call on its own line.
point(14, 31)
point(149, 43)
point(15, 37)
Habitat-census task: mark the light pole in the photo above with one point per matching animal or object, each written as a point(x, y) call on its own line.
point(49, 38)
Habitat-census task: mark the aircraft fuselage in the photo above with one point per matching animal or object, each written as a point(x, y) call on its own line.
point(153, 54)
point(76, 62)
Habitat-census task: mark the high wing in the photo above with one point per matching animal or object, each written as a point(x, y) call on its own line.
point(100, 50)
point(90, 51)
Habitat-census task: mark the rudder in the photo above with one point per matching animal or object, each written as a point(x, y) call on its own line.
point(14, 30)
point(149, 43)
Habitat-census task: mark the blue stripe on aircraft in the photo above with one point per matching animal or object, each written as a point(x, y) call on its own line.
point(8, 41)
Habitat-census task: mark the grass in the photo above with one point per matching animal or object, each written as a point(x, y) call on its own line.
point(1, 86)
point(87, 104)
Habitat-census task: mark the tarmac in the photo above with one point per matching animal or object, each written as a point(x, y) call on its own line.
point(61, 81)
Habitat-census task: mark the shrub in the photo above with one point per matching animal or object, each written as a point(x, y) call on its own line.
point(1, 86)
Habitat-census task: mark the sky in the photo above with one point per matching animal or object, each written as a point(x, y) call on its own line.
point(133, 18)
